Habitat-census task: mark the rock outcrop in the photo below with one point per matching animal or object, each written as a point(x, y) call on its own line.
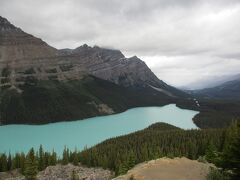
point(63, 172)
point(60, 172)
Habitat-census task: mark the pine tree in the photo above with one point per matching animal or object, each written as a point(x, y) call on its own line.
point(4, 163)
point(75, 158)
point(41, 163)
point(53, 158)
point(16, 161)
point(31, 166)
point(22, 162)
point(231, 153)
point(131, 160)
point(211, 153)
point(9, 162)
point(46, 159)
point(65, 159)
point(123, 168)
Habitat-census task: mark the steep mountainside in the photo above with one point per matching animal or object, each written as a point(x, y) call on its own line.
point(227, 90)
point(40, 84)
point(112, 65)
point(23, 57)
point(52, 101)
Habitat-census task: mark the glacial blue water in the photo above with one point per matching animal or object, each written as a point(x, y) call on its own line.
point(88, 132)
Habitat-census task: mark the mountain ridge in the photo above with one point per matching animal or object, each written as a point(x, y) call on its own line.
point(209, 82)
point(227, 90)
point(27, 56)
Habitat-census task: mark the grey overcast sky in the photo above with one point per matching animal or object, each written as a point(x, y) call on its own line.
point(184, 42)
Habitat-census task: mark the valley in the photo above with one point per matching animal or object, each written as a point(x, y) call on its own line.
point(96, 111)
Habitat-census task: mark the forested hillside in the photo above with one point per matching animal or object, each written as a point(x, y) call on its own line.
point(159, 140)
point(227, 90)
point(213, 113)
point(218, 146)
point(51, 101)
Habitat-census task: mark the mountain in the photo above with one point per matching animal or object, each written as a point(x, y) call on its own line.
point(113, 66)
point(24, 56)
point(41, 84)
point(227, 90)
point(210, 82)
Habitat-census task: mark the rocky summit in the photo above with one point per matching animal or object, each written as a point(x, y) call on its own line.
point(113, 66)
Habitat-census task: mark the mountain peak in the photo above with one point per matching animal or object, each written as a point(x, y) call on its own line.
point(6, 26)
point(4, 20)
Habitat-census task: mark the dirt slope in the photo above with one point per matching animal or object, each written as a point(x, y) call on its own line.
point(168, 169)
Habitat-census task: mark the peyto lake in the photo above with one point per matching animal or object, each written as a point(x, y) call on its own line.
point(88, 132)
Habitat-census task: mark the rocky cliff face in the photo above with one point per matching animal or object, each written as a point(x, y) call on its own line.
point(113, 66)
point(24, 57)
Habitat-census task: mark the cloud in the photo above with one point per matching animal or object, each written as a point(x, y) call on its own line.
point(176, 31)
point(195, 71)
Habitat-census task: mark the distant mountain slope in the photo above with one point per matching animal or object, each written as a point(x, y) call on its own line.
point(227, 90)
point(210, 82)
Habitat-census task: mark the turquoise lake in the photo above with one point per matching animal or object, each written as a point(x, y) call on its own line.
point(91, 131)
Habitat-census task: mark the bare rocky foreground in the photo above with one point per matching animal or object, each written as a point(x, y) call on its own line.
point(160, 169)
point(168, 169)
point(60, 172)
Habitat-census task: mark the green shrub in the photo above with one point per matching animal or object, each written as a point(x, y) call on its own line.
point(202, 159)
point(216, 174)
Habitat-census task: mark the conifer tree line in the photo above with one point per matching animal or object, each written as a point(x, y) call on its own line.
point(159, 140)
point(33, 162)
point(219, 146)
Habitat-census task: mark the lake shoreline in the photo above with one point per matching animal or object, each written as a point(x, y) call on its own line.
point(103, 115)
point(78, 134)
